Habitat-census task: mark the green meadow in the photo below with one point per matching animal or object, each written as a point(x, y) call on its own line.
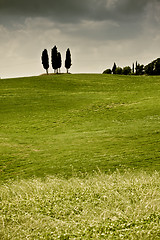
point(60, 124)
point(80, 157)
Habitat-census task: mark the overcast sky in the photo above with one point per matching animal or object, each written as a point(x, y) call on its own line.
point(98, 33)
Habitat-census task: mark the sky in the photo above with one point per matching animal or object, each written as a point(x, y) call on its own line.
point(98, 33)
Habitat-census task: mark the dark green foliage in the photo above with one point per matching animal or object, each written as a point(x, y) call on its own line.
point(59, 61)
point(139, 69)
point(133, 69)
point(157, 67)
point(54, 58)
point(136, 67)
point(114, 68)
point(107, 71)
point(68, 60)
point(149, 69)
point(118, 70)
point(153, 68)
point(126, 70)
point(45, 60)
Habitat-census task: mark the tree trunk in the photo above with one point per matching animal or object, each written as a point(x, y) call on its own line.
point(47, 71)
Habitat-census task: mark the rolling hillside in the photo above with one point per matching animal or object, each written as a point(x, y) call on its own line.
point(62, 138)
point(66, 124)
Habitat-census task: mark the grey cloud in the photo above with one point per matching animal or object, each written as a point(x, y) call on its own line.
point(60, 10)
point(99, 31)
point(132, 7)
point(74, 10)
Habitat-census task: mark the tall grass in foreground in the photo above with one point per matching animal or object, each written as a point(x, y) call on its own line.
point(113, 206)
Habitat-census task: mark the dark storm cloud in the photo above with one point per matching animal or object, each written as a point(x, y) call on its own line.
point(58, 10)
point(98, 32)
point(75, 10)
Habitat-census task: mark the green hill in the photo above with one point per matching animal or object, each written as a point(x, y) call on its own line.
point(71, 126)
point(66, 124)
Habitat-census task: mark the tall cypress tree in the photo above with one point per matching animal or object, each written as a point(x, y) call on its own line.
point(54, 58)
point(114, 68)
point(68, 60)
point(133, 69)
point(45, 60)
point(136, 68)
point(59, 61)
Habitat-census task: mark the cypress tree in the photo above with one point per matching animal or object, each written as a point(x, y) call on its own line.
point(136, 67)
point(45, 60)
point(114, 68)
point(133, 69)
point(59, 61)
point(54, 58)
point(68, 60)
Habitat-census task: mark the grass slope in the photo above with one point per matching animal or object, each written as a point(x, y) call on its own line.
point(58, 124)
point(115, 206)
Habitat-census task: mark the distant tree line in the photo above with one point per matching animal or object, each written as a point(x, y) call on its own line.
point(56, 60)
point(152, 68)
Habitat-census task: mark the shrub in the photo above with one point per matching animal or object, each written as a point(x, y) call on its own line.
point(126, 70)
point(107, 71)
point(118, 70)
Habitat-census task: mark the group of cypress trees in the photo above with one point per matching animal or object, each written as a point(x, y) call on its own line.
point(136, 69)
point(56, 60)
point(152, 68)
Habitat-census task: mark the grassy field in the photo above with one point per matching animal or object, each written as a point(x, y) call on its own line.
point(115, 206)
point(62, 138)
point(60, 124)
